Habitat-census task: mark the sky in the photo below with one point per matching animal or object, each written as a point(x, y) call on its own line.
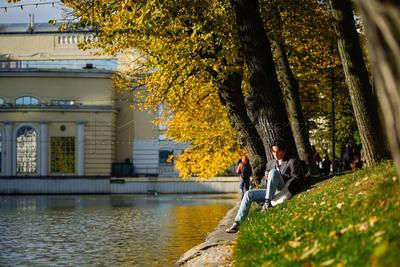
point(43, 12)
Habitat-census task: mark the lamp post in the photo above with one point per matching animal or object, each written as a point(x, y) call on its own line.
point(332, 74)
point(333, 118)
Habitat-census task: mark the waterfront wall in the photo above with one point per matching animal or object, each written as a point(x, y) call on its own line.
point(24, 185)
point(107, 185)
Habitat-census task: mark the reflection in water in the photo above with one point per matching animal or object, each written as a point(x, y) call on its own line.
point(109, 230)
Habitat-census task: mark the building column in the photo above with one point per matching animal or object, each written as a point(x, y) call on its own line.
point(44, 147)
point(81, 147)
point(9, 149)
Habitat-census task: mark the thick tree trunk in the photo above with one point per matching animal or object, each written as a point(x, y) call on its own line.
point(231, 96)
point(382, 27)
point(265, 105)
point(293, 103)
point(362, 98)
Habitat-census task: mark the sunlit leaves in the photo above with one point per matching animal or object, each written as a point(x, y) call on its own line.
point(213, 141)
point(187, 47)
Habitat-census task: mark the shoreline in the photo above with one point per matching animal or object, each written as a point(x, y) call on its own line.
point(217, 249)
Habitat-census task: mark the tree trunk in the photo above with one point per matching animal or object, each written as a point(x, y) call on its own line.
point(382, 27)
point(293, 103)
point(231, 96)
point(362, 98)
point(265, 105)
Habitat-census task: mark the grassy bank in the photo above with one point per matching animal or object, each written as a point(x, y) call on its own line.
point(347, 220)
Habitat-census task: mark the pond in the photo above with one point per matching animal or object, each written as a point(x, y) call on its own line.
point(105, 230)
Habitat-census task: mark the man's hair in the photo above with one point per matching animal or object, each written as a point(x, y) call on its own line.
point(279, 143)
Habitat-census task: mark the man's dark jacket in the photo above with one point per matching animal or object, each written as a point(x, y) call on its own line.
point(290, 168)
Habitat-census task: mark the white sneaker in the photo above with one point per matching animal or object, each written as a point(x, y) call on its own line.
point(234, 228)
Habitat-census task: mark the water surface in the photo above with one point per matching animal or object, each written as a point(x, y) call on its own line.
point(105, 230)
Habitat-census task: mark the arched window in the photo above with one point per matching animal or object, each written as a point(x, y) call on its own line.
point(26, 150)
point(27, 101)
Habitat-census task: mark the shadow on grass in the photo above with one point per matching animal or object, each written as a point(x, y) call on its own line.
point(312, 180)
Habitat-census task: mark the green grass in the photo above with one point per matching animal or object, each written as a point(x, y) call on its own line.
point(346, 220)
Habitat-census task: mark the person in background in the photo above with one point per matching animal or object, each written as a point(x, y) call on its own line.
point(347, 156)
point(316, 157)
point(357, 161)
point(244, 170)
point(283, 172)
point(326, 164)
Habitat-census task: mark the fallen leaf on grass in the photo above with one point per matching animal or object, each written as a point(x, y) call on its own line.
point(297, 238)
point(328, 262)
point(381, 203)
point(362, 227)
point(294, 244)
point(310, 251)
point(340, 205)
point(373, 220)
point(335, 234)
point(290, 257)
point(348, 228)
point(378, 237)
point(379, 233)
point(341, 263)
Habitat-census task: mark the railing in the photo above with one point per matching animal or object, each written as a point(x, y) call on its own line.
point(54, 64)
point(80, 106)
point(122, 170)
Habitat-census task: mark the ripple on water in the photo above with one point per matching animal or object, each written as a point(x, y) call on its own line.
point(110, 230)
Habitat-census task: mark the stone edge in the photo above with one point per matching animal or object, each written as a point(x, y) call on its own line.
point(209, 248)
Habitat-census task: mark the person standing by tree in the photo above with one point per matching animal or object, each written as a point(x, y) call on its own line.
point(282, 172)
point(244, 170)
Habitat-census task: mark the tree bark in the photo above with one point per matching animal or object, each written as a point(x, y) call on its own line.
point(265, 105)
point(231, 96)
point(382, 28)
point(293, 103)
point(357, 80)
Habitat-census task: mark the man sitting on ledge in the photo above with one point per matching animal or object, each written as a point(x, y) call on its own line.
point(284, 174)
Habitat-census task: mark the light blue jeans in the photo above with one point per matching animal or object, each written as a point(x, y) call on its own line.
point(274, 182)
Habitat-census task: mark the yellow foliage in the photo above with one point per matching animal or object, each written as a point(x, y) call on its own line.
point(214, 145)
point(188, 47)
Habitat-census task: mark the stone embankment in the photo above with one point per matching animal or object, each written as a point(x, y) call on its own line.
point(216, 250)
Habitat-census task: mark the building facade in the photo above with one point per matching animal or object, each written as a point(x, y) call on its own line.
point(60, 114)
